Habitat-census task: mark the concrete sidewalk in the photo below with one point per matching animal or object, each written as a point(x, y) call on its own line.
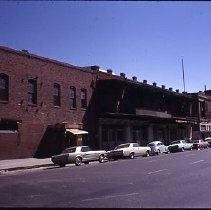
point(25, 163)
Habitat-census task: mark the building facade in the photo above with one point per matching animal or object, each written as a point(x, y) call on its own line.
point(47, 105)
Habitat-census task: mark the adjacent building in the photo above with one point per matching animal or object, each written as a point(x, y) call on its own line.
point(47, 105)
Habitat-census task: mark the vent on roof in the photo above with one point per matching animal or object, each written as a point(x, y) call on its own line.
point(134, 78)
point(154, 84)
point(122, 75)
point(26, 51)
point(177, 90)
point(145, 81)
point(170, 89)
point(96, 68)
point(163, 86)
point(109, 71)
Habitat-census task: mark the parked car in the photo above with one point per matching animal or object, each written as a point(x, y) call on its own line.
point(78, 155)
point(158, 147)
point(208, 139)
point(180, 145)
point(200, 144)
point(128, 150)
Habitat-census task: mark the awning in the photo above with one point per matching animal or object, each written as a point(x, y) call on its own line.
point(76, 131)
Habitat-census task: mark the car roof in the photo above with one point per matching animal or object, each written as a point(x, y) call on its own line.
point(154, 142)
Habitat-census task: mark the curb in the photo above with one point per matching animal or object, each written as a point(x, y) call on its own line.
point(25, 167)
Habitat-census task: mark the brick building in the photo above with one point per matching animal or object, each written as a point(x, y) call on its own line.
point(47, 105)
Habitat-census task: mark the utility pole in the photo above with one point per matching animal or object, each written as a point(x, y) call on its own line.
point(183, 74)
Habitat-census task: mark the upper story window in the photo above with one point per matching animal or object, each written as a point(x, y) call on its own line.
point(72, 96)
point(83, 98)
point(4, 87)
point(56, 95)
point(32, 92)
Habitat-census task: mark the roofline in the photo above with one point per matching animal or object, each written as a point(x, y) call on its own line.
point(25, 53)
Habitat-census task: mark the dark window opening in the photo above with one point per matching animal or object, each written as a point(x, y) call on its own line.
point(56, 95)
point(9, 125)
point(83, 98)
point(4, 87)
point(32, 92)
point(72, 97)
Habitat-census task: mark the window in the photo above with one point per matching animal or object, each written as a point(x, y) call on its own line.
point(72, 97)
point(32, 92)
point(56, 95)
point(83, 98)
point(4, 87)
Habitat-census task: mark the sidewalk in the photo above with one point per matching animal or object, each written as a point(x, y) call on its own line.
point(25, 163)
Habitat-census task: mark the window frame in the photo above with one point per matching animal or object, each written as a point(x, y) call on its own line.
point(83, 98)
point(32, 93)
point(72, 99)
point(4, 91)
point(57, 96)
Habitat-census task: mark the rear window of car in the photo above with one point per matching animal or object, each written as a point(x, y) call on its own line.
point(85, 149)
point(69, 150)
point(175, 142)
point(122, 146)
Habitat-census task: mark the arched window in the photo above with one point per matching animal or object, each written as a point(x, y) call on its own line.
point(72, 97)
point(4, 87)
point(56, 95)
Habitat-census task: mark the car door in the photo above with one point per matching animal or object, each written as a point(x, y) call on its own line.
point(87, 153)
point(162, 147)
point(136, 149)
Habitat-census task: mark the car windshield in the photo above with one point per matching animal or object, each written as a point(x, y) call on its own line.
point(122, 146)
point(175, 142)
point(196, 141)
point(151, 144)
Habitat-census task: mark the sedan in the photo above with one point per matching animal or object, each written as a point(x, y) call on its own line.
point(200, 144)
point(128, 150)
point(157, 147)
point(78, 155)
point(208, 139)
point(180, 145)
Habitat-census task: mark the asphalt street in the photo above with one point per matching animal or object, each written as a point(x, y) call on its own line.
point(176, 180)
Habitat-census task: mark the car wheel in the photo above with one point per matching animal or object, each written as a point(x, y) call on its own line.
point(183, 149)
point(101, 158)
point(147, 154)
point(86, 163)
point(62, 165)
point(158, 152)
point(78, 161)
point(191, 148)
point(131, 156)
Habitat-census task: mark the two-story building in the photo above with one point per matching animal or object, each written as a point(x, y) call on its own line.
point(47, 105)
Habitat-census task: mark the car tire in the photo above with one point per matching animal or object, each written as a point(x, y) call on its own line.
point(62, 165)
point(101, 158)
point(182, 149)
point(191, 148)
point(78, 161)
point(158, 152)
point(86, 163)
point(147, 154)
point(131, 156)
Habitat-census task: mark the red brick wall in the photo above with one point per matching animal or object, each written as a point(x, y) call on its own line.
point(20, 67)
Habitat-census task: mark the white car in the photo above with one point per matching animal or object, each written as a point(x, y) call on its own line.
point(128, 150)
point(208, 139)
point(78, 155)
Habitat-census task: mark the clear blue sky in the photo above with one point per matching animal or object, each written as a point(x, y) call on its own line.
point(143, 39)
